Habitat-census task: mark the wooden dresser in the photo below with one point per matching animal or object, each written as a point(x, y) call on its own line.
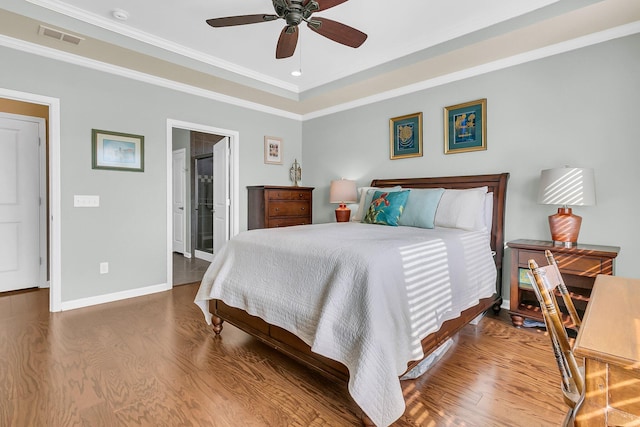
point(273, 206)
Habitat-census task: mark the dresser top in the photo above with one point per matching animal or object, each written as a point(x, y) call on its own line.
point(278, 187)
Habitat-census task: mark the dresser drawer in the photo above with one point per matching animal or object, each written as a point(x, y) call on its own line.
point(580, 266)
point(289, 208)
point(287, 222)
point(288, 195)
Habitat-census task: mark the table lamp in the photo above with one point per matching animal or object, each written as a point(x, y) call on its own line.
point(343, 191)
point(567, 187)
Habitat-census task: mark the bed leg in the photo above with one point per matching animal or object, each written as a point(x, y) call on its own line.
point(497, 306)
point(216, 322)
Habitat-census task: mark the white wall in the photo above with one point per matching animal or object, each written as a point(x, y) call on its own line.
point(128, 230)
point(578, 109)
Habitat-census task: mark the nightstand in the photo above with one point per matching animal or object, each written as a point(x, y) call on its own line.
point(579, 266)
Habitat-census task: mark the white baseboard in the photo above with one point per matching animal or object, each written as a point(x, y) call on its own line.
point(204, 255)
point(187, 254)
point(116, 296)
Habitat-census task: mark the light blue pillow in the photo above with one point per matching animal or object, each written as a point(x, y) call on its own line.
point(386, 207)
point(420, 210)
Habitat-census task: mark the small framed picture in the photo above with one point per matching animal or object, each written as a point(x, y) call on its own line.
point(117, 151)
point(272, 150)
point(465, 127)
point(405, 136)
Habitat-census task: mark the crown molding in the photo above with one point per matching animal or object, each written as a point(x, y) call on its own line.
point(55, 54)
point(533, 55)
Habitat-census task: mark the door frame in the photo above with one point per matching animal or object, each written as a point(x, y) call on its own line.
point(234, 180)
point(55, 242)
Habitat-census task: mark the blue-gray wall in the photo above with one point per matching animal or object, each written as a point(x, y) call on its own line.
point(577, 108)
point(128, 230)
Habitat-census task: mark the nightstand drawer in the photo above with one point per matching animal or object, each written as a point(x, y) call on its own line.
point(293, 208)
point(580, 266)
point(288, 195)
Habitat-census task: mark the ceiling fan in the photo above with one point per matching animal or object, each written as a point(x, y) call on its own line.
point(294, 12)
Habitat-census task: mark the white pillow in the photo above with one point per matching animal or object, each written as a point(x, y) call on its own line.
point(488, 211)
point(462, 209)
point(362, 192)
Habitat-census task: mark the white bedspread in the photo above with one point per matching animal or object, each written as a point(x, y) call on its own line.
point(361, 294)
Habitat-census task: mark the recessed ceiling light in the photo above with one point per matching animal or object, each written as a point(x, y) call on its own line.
point(120, 14)
point(296, 73)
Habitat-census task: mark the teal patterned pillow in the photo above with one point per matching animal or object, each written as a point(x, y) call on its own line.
point(386, 207)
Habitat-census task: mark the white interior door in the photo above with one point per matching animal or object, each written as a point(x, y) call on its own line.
point(179, 200)
point(21, 214)
point(221, 201)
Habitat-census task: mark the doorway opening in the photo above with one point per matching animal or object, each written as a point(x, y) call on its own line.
point(203, 204)
point(203, 199)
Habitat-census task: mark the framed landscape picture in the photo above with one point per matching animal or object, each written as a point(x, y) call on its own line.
point(117, 151)
point(405, 136)
point(465, 127)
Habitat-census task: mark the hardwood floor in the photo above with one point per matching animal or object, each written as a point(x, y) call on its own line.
point(188, 270)
point(152, 361)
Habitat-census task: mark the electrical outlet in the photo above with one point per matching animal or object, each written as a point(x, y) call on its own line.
point(104, 267)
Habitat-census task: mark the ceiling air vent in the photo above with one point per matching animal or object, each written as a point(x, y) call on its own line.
point(59, 35)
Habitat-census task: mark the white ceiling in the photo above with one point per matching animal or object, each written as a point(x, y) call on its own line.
point(405, 37)
point(394, 28)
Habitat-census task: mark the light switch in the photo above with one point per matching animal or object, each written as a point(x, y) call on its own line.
point(86, 201)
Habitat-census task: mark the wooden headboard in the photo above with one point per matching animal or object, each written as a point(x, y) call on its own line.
point(496, 183)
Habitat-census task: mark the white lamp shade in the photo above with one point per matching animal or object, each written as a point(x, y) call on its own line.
point(343, 191)
point(567, 186)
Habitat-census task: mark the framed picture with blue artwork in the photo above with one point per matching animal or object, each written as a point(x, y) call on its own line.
point(405, 134)
point(117, 151)
point(465, 127)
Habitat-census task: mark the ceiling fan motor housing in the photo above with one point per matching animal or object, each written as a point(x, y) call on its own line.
point(293, 11)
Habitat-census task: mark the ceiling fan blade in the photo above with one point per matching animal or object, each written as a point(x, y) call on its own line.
point(337, 32)
point(230, 21)
point(287, 42)
point(326, 4)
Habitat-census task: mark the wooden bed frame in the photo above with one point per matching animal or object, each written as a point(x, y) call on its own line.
point(294, 347)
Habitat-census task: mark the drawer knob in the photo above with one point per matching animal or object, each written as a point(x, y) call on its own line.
point(301, 209)
point(277, 209)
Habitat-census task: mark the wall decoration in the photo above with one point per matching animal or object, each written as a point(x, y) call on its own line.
point(272, 150)
point(465, 127)
point(117, 151)
point(405, 136)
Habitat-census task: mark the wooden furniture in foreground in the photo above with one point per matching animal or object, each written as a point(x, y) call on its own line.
point(548, 283)
point(291, 345)
point(273, 206)
point(609, 342)
point(579, 266)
